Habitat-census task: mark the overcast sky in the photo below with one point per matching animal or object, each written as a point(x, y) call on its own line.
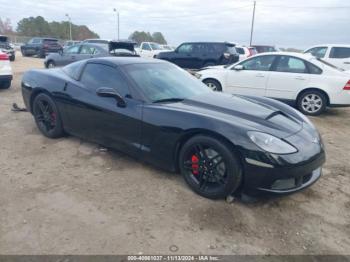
point(297, 23)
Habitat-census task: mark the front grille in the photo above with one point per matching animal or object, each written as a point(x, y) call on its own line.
point(290, 183)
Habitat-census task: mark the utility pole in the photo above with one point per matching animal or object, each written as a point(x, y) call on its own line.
point(252, 28)
point(117, 18)
point(70, 26)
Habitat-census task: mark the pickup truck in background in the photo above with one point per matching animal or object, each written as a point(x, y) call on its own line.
point(150, 49)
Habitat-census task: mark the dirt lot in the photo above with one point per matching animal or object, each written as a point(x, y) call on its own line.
point(66, 196)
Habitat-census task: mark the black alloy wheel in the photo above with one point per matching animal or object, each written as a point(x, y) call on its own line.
point(210, 167)
point(47, 116)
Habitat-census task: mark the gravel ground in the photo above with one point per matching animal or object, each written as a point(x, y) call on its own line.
point(66, 196)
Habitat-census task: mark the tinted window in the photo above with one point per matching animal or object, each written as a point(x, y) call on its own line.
point(240, 50)
point(261, 63)
point(340, 52)
point(291, 65)
point(185, 48)
point(319, 52)
point(36, 41)
point(73, 70)
point(50, 41)
point(97, 75)
point(73, 50)
point(313, 69)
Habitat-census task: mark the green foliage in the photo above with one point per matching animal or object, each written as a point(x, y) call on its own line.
point(142, 36)
point(38, 26)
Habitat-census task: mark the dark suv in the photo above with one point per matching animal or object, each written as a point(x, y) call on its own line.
point(6, 47)
point(201, 54)
point(41, 47)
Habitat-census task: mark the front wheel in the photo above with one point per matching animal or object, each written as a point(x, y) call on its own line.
point(47, 117)
point(51, 64)
point(312, 103)
point(213, 84)
point(209, 167)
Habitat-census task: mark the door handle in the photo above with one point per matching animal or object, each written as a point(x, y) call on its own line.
point(260, 75)
point(300, 78)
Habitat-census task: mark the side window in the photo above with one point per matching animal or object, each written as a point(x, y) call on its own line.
point(318, 52)
point(340, 52)
point(97, 75)
point(313, 69)
point(185, 49)
point(261, 63)
point(73, 50)
point(74, 69)
point(291, 65)
point(87, 50)
point(146, 47)
point(36, 41)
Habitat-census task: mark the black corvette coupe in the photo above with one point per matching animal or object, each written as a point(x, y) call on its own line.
point(155, 111)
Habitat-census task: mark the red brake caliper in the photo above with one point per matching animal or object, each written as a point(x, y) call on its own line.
point(195, 165)
point(53, 118)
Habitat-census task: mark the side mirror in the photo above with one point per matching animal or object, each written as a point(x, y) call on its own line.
point(110, 92)
point(238, 67)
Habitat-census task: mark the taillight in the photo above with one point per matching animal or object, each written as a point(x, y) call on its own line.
point(347, 86)
point(4, 57)
point(46, 46)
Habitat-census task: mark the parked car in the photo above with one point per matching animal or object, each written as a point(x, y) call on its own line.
point(338, 55)
point(41, 47)
point(300, 80)
point(245, 52)
point(202, 54)
point(5, 71)
point(153, 111)
point(7, 48)
point(150, 49)
point(70, 43)
point(265, 48)
point(86, 51)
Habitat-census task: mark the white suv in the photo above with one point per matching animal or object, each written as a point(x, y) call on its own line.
point(338, 55)
point(5, 71)
point(245, 52)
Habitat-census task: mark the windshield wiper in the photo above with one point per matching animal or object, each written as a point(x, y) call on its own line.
point(171, 100)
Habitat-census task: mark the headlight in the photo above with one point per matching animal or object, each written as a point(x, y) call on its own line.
point(271, 143)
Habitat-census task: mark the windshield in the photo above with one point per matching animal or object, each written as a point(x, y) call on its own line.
point(155, 46)
point(330, 65)
point(161, 81)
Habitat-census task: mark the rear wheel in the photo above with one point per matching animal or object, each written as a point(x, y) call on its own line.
point(51, 64)
point(312, 103)
point(24, 53)
point(210, 167)
point(47, 117)
point(213, 84)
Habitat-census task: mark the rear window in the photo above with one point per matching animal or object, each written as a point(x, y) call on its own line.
point(328, 64)
point(252, 51)
point(340, 52)
point(50, 41)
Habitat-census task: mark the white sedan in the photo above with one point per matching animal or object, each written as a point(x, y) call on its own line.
point(5, 71)
point(300, 80)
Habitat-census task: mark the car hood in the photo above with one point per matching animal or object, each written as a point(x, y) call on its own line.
point(245, 112)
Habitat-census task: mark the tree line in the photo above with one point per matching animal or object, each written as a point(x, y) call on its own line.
point(38, 26)
point(142, 36)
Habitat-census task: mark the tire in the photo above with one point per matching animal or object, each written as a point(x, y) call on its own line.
point(209, 167)
point(41, 54)
point(24, 54)
point(47, 116)
point(12, 58)
point(50, 64)
point(5, 84)
point(213, 84)
point(312, 103)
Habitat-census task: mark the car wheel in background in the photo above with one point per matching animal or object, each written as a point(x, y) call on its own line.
point(209, 167)
point(24, 53)
point(47, 117)
point(213, 84)
point(12, 58)
point(5, 84)
point(312, 103)
point(51, 64)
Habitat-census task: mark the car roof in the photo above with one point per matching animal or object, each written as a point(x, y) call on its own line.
point(329, 45)
point(126, 60)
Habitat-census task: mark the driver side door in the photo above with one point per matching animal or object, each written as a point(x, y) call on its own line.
point(252, 77)
point(69, 55)
point(100, 119)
